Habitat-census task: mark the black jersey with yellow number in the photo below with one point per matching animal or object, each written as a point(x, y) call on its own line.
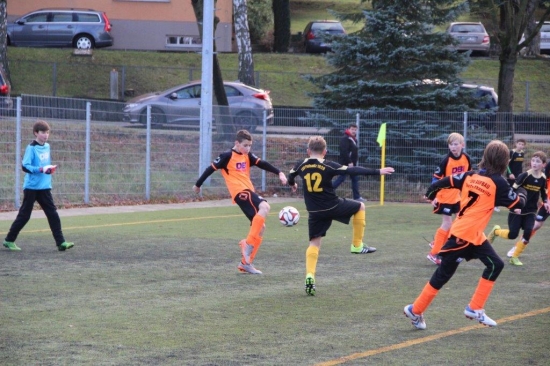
point(535, 187)
point(317, 177)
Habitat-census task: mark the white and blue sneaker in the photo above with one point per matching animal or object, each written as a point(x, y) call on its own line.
point(416, 319)
point(480, 316)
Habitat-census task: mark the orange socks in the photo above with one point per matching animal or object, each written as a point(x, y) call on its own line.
point(254, 237)
point(424, 299)
point(439, 240)
point(483, 290)
point(312, 254)
point(358, 223)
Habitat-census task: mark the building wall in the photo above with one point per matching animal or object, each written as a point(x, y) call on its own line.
point(144, 24)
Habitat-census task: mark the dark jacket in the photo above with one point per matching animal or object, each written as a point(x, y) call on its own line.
point(348, 150)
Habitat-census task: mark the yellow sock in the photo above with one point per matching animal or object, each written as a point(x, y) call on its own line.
point(439, 240)
point(312, 254)
point(503, 233)
point(481, 294)
point(520, 247)
point(359, 223)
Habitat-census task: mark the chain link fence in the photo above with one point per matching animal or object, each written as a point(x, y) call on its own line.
point(103, 160)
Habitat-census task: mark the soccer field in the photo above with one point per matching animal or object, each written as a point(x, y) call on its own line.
point(162, 288)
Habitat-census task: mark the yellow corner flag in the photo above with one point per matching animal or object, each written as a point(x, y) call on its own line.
point(382, 142)
point(381, 134)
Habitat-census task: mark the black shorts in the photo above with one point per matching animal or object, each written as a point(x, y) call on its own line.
point(249, 202)
point(542, 214)
point(446, 208)
point(319, 222)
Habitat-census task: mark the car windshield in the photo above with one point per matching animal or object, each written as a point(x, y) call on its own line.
point(467, 28)
point(545, 28)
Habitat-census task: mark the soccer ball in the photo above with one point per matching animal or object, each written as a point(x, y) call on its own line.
point(289, 216)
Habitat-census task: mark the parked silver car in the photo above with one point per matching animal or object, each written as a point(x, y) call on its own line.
point(471, 37)
point(544, 38)
point(181, 105)
point(77, 28)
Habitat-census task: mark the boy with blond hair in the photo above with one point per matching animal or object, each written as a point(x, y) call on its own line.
point(324, 206)
point(447, 202)
point(534, 182)
point(234, 166)
point(480, 192)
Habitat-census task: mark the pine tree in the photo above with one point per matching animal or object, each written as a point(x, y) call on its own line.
point(397, 61)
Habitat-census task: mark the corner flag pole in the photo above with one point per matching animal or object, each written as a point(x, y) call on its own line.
point(382, 142)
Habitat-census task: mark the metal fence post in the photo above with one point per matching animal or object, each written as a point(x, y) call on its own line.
point(264, 147)
point(54, 79)
point(257, 79)
point(122, 82)
point(148, 156)
point(465, 130)
point(87, 153)
point(527, 85)
point(18, 153)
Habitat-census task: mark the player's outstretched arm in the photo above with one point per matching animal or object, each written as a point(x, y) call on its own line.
point(283, 179)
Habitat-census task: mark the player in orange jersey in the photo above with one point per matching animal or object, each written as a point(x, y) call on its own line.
point(447, 202)
point(234, 166)
point(480, 193)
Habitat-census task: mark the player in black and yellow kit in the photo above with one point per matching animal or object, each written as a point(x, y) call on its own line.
point(534, 182)
point(480, 193)
point(324, 206)
point(515, 166)
point(234, 166)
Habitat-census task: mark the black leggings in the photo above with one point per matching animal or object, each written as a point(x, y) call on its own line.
point(525, 221)
point(45, 200)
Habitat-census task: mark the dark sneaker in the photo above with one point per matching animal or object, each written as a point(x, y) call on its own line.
point(310, 284)
point(64, 246)
point(11, 245)
point(363, 249)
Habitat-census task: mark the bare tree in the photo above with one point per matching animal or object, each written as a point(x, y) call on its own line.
point(281, 20)
point(4, 38)
point(242, 35)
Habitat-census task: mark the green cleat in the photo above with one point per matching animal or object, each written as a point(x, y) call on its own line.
point(11, 245)
point(515, 261)
point(491, 236)
point(64, 246)
point(310, 284)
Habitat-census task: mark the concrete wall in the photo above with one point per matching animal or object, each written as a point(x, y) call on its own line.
point(143, 25)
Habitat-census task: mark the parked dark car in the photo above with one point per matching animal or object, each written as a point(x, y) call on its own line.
point(77, 28)
point(181, 105)
point(316, 30)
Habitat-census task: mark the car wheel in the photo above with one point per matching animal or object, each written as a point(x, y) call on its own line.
point(83, 41)
point(245, 121)
point(157, 116)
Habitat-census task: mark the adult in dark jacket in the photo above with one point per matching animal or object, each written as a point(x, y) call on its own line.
point(348, 156)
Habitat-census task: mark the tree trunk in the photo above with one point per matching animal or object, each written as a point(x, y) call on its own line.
point(281, 19)
point(242, 35)
point(4, 38)
point(533, 48)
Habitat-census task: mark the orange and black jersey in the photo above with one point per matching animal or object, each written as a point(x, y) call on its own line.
point(451, 165)
point(479, 196)
point(317, 175)
point(235, 169)
point(547, 174)
point(535, 187)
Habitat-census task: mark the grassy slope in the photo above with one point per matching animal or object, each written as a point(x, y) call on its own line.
point(278, 72)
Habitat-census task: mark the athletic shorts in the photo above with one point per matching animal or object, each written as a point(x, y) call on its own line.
point(249, 202)
point(446, 209)
point(319, 222)
point(542, 214)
